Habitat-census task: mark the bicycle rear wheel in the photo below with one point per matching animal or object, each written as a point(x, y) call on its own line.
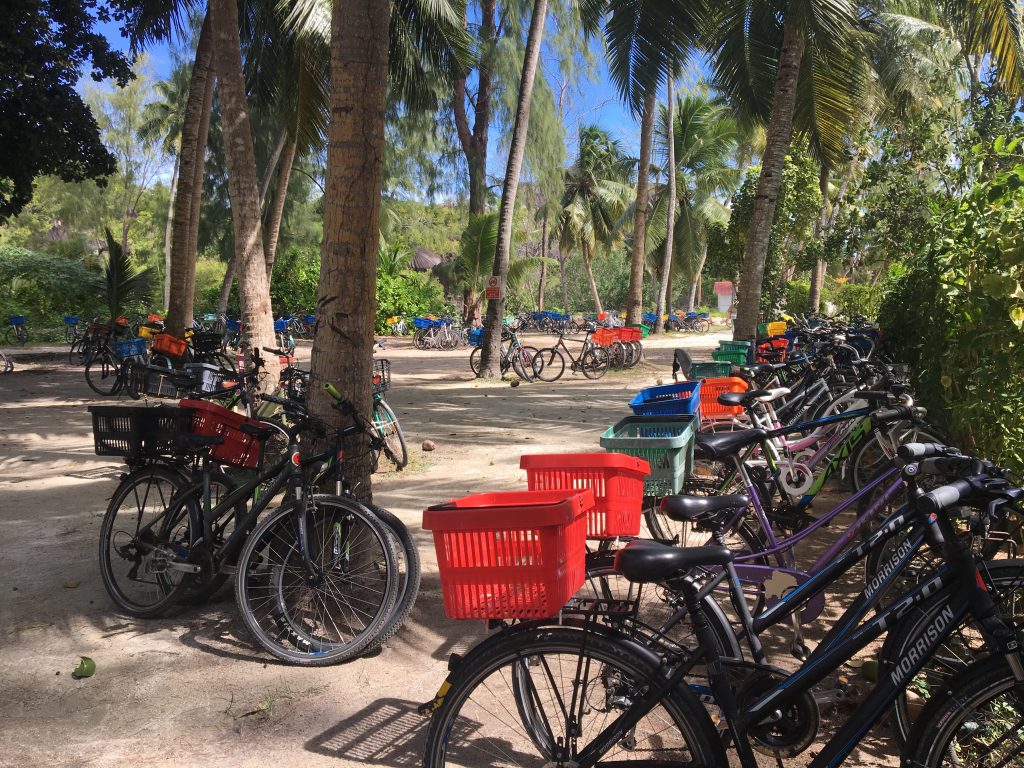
point(408, 573)
point(103, 374)
point(340, 612)
point(518, 698)
point(594, 363)
point(385, 424)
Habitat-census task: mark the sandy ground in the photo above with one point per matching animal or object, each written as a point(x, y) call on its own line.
point(191, 690)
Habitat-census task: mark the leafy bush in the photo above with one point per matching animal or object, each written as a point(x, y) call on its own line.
point(46, 286)
point(294, 282)
point(853, 299)
point(956, 315)
point(798, 297)
point(410, 294)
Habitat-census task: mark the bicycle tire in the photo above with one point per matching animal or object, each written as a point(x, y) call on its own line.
point(617, 355)
point(869, 457)
point(103, 374)
point(205, 585)
point(409, 575)
point(1006, 580)
point(521, 359)
point(619, 666)
point(153, 492)
point(594, 363)
point(285, 628)
point(553, 364)
point(76, 354)
point(955, 715)
point(475, 358)
point(386, 425)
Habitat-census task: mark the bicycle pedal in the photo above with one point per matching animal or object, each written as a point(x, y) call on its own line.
point(799, 651)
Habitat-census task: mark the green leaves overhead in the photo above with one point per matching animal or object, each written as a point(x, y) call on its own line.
point(126, 284)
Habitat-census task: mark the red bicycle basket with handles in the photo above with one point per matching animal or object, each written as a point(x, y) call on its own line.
point(616, 479)
point(238, 448)
point(604, 336)
point(513, 555)
point(710, 389)
point(168, 345)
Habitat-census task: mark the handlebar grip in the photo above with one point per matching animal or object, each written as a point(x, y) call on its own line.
point(963, 466)
point(281, 401)
point(945, 496)
point(333, 391)
point(915, 451)
point(899, 413)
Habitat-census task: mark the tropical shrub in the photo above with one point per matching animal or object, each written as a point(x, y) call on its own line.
point(410, 294)
point(46, 286)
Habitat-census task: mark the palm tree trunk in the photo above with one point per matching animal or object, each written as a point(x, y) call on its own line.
point(691, 302)
point(346, 295)
point(243, 184)
point(225, 287)
point(191, 156)
point(666, 264)
point(780, 133)
point(543, 264)
point(268, 171)
point(474, 140)
point(168, 231)
point(818, 271)
point(634, 299)
point(590, 279)
point(490, 363)
point(276, 211)
point(199, 171)
point(563, 284)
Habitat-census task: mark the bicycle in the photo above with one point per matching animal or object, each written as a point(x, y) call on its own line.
point(524, 360)
point(593, 361)
point(15, 332)
point(72, 331)
point(109, 370)
point(594, 687)
point(6, 364)
point(385, 422)
point(293, 565)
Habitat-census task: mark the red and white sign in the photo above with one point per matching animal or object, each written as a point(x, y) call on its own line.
point(723, 288)
point(493, 291)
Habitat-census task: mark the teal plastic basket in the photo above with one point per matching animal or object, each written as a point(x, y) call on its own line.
point(734, 358)
point(709, 370)
point(664, 442)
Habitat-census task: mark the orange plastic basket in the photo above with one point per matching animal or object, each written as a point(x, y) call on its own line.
point(154, 318)
point(616, 479)
point(604, 336)
point(168, 345)
point(510, 555)
point(710, 389)
point(772, 351)
point(238, 448)
point(630, 334)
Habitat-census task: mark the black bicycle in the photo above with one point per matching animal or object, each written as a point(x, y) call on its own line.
point(597, 688)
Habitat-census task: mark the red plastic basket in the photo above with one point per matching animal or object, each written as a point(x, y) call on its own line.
point(710, 389)
point(169, 345)
point(238, 448)
point(772, 351)
point(630, 334)
point(617, 481)
point(154, 318)
point(604, 336)
point(510, 555)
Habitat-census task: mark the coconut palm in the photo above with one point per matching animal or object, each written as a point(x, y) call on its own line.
point(705, 139)
point(597, 194)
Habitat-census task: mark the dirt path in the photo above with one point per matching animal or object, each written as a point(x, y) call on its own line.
point(190, 690)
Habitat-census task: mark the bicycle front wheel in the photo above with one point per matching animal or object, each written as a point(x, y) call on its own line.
point(549, 364)
point(336, 612)
point(539, 697)
point(977, 720)
point(103, 374)
point(595, 362)
point(142, 537)
point(385, 424)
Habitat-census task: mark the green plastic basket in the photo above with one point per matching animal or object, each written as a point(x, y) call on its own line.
point(644, 330)
point(762, 330)
point(734, 346)
point(666, 443)
point(734, 358)
point(709, 370)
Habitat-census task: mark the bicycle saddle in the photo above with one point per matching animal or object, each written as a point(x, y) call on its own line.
point(758, 368)
point(721, 445)
point(646, 561)
point(704, 511)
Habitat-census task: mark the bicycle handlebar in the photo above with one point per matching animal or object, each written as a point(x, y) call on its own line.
point(915, 451)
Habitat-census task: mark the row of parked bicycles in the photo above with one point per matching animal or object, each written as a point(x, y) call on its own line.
point(630, 592)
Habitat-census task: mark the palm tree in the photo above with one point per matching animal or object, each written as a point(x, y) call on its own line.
point(820, 48)
point(490, 361)
point(704, 143)
point(665, 273)
point(125, 283)
point(597, 193)
point(163, 120)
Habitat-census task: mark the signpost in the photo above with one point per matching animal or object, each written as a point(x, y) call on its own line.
point(492, 292)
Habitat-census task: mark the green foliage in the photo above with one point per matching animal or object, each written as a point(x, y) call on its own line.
point(957, 310)
point(410, 294)
point(209, 279)
point(127, 287)
point(852, 299)
point(46, 286)
point(798, 297)
point(294, 283)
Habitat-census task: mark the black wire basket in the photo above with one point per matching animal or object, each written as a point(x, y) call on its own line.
point(381, 376)
point(136, 431)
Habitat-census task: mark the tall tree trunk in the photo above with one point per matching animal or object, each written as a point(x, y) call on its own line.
point(191, 156)
point(780, 133)
point(277, 209)
point(346, 296)
point(563, 284)
point(225, 287)
point(590, 279)
point(634, 299)
point(544, 263)
point(692, 299)
point(666, 264)
point(473, 140)
point(169, 229)
point(243, 184)
point(490, 364)
point(818, 271)
point(199, 173)
point(268, 171)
